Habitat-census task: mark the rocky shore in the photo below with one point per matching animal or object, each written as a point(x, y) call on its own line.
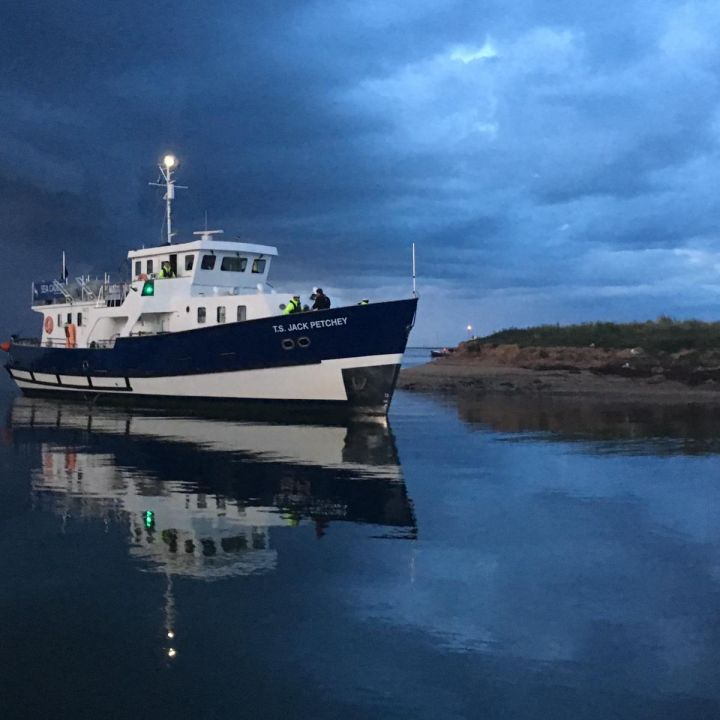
point(686, 376)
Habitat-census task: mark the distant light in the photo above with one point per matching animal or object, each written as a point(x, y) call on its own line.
point(171, 634)
point(172, 652)
point(169, 161)
point(469, 328)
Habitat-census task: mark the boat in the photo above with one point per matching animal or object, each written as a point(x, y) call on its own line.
point(442, 352)
point(197, 322)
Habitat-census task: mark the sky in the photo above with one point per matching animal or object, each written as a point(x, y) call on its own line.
point(553, 162)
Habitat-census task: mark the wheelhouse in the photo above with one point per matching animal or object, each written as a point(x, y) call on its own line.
point(211, 282)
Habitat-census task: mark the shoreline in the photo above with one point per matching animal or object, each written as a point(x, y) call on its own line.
point(464, 375)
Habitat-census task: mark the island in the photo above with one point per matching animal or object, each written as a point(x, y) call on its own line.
point(663, 360)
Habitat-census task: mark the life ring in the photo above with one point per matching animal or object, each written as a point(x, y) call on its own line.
point(49, 324)
point(71, 335)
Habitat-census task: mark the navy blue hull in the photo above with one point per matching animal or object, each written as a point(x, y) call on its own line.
point(116, 375)
point(281, 341)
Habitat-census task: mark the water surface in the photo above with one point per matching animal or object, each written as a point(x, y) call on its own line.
point(484, 559)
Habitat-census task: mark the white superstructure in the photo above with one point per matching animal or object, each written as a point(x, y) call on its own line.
point(215, 282)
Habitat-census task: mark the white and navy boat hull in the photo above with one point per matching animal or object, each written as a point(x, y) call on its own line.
point(340, 361)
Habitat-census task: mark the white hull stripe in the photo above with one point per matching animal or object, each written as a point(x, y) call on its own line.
point(45, 378)
point(73, 380)
point(111, 383)
point(319, 381)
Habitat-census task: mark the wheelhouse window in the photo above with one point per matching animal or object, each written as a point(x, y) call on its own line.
point(221, 314)
point(69, 318)
point(79, 319)
point(138, 268)
point(189, 262)
point(258, 265)
point(233, 263)
point(59, 322)
point(208, 262)
point(201, 315)
point(241, 313)
point(149, 266)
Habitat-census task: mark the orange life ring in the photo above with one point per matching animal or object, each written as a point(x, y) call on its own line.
point(71, 335)
point(49, 324)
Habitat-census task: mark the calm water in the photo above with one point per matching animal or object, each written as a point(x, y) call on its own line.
point(474, 560)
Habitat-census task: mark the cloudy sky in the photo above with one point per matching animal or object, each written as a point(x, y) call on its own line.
point(552, 161)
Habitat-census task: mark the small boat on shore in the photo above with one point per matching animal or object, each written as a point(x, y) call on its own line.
point(442, 352)
point(198, 323)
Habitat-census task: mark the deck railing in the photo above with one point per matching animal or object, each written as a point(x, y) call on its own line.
point(62, 343)
point(105, 293)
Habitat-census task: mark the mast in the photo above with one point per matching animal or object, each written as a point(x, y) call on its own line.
point(166, 172)
point(413, 270)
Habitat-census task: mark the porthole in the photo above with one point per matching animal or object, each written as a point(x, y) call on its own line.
point(288, 344)
point(303, 342)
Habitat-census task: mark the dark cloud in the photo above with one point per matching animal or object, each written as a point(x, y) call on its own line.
point(506, 141)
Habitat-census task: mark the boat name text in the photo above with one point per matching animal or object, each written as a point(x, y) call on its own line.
point(310, 325)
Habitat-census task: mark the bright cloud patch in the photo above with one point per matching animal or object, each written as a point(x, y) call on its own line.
point(467, 55)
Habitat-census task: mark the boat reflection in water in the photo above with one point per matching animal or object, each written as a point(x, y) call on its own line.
point(200, 497)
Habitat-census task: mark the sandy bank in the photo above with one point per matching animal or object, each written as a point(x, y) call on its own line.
point(620, 374)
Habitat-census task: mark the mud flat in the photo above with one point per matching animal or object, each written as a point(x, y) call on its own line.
point(685, 377)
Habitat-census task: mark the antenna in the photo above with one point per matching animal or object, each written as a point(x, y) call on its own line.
point(166, 171)
point(413, 270)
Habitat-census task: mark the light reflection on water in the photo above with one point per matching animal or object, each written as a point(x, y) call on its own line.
point(497, 559)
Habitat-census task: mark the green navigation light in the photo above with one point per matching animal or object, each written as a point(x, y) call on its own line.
point(149, 519)
point(148, 288)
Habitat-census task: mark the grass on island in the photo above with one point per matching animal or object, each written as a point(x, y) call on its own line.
point(661, 335)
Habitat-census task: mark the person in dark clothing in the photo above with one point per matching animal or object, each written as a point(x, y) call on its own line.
point(322, 301)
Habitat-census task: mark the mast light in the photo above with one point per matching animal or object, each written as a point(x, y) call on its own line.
point(166, 173)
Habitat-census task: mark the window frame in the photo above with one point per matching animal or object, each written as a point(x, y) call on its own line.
point(231, 259)
point(210, 260)
point(201, 315)
point(256, 264)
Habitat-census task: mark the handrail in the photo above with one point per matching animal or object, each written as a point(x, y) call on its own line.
point(83, 290)
point(61, 288)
